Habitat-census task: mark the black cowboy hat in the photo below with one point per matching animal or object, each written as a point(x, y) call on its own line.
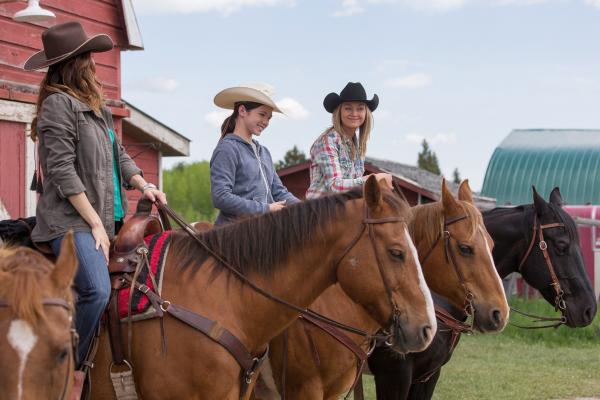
point(353, 91)
point(64, 41)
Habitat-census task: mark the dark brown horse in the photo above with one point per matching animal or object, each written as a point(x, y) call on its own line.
point(512, 229)
point(318, 367)
point(294, 254)
point(36, 340)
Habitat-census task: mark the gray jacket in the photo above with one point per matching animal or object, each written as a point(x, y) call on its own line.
point(76, 156)
point(238, 186)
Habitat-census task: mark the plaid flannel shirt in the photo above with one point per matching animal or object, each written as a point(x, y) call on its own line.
point(332, 168)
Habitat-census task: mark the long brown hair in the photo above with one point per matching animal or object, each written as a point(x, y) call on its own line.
point(364, 131)
point(75, 76)
point(229, 124)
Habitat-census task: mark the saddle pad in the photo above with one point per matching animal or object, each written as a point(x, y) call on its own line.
point(158, 246)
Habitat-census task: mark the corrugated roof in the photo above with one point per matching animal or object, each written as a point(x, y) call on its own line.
point(568, 158)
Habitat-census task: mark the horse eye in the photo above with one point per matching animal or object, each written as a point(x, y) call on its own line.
point(62, 356)
point(561, 248)
point(465, 250)
point(396, 254)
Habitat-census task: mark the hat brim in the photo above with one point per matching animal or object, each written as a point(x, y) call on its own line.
point(228, 97)
point(97, 44)
point(333, 100)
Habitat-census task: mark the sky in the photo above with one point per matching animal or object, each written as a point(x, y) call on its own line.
point(460, 73)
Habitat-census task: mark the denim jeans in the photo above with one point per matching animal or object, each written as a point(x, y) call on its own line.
point(92, 285)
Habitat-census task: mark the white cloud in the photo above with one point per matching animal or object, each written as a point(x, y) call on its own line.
point(417, 138)
point(157, 84)
point(593, 3)
point(425, 5)
point(224, 7)
point(216, 118)
point(414, 81)
point(292, 108)
point(349, 7)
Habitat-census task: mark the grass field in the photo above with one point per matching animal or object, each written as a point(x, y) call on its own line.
point(516, 364)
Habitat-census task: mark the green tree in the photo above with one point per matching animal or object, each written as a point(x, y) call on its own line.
point(428, 160)
point(292, 157)
point(456, 176)
point(188, 191)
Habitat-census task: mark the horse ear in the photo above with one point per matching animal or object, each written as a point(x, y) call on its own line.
point(448, 201)
point(539, 203)
point(556, 197)
point(372, 192)
point(464, 192)
point(67, 263)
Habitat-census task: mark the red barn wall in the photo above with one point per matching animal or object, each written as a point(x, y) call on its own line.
point(18, 42)
point(148, 159)
point(12, 167)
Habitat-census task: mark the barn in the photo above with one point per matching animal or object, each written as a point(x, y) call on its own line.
point(546, 158)
point(145, 138)
point(418, 185)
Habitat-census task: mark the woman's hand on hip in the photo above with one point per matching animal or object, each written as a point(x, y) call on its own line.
point(101, 238)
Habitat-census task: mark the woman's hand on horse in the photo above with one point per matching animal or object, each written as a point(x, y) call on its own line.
point(382, 176)
point(101, 239)
point(278, 205)
point(154, 194)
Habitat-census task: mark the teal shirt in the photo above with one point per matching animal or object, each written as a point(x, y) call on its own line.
point(119, 213)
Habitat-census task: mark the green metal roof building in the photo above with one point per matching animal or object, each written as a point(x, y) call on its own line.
point(568, 158)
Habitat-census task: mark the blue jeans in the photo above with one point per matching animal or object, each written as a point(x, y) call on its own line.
point(92, 285)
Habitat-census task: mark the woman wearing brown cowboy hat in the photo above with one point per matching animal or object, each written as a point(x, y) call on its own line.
point(85, 169)
point(338, 154)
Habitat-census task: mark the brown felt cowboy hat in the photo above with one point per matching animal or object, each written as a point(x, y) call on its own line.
point(64, 41)
point(354, 91)
point(261, 93)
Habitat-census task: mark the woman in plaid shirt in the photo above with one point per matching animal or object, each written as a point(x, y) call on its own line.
point(338, 154)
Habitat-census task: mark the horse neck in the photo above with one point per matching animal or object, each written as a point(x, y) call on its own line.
point(307, 274)
point(511, 233)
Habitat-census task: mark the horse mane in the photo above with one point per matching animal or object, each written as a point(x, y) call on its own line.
point(427, 223)
point(263, 242)
point(25, 274)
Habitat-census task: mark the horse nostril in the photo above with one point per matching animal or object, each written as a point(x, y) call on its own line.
point(426, 332)
point(588, 314)
point(496, 317)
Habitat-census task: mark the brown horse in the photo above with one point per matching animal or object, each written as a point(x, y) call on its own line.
point(319, 367)
point(36, 338)
point(294, 254)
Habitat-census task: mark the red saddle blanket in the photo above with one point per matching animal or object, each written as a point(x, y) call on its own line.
point(158, 246)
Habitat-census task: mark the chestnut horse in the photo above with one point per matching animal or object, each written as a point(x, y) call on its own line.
point(512, 229)
point(319, 367)
point(294, 254)
point(36, 337)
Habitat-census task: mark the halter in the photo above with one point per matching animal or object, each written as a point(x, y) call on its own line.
point(468, 307)
point(559, 301)
point(62, 303)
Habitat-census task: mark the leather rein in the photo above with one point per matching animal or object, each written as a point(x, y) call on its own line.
point(61, 303)
point(559, 301)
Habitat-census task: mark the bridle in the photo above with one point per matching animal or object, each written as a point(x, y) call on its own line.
point(61, 303)
point(468, 307)
point(559, 301)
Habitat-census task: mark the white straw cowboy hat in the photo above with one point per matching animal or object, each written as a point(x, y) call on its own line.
point(64, 41)
point(256, 92)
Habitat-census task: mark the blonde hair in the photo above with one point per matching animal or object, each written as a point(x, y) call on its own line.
point(363, 133)
point(75, 76)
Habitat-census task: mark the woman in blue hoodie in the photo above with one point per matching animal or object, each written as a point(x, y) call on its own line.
point(243, 180)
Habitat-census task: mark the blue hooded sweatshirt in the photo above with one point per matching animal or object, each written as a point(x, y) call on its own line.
point(244, 182)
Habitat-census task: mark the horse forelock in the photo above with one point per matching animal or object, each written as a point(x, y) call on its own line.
point(25, 274)
point(263, 242)
point(427, 223)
